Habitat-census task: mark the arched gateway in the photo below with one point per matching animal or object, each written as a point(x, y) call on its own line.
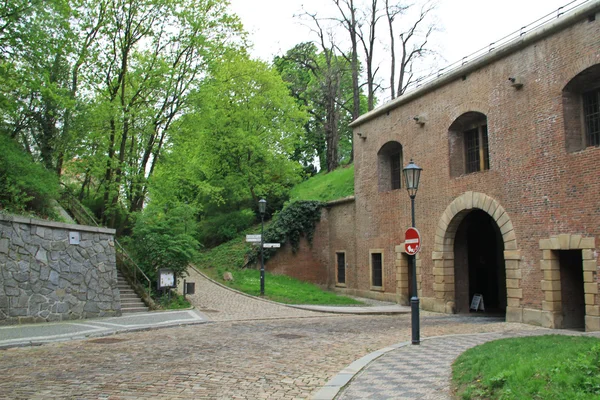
point(489, 265)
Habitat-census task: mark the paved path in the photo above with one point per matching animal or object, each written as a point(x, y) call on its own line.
point(220, 303)
point(288, 358)
point(254, 349)
point(38, 334)
point(407, 372)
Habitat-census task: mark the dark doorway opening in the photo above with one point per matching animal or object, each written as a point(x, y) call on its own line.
point(572, 291)
point(479, 264)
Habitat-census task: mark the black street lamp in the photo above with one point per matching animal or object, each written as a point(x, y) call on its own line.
point(262, 207)
point(412, 174)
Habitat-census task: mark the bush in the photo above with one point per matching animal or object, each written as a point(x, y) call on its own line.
point(164, 239)
point(297, 219)
point(216, 230)
point(24, 185)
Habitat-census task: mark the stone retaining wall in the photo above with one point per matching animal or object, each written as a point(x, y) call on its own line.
point(45, 275)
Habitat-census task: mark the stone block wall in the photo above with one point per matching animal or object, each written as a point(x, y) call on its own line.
point(44, 278)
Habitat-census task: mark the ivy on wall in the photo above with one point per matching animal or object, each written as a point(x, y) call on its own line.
point(297, 219)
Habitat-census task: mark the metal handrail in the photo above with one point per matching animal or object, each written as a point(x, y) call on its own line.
point(136, 269)
point(76, 206)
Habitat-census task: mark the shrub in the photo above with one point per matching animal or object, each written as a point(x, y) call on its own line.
point(219, 229)
point(164, 240)
point(24, 185)
point(297, 219)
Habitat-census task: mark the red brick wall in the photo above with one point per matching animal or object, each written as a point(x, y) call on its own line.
point(309, 263)
point(544, 189)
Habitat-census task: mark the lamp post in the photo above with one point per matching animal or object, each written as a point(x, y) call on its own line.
point(262, 207)
point(412, 173)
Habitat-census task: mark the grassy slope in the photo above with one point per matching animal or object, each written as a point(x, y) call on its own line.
point(229, 257)
point(326, 187)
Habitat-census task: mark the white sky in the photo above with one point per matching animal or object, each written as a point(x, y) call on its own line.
point(468, 25)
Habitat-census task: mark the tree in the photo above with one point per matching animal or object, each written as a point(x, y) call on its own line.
point(234, 147)
point(360, 20)
point(413, 45)
point(320, 80)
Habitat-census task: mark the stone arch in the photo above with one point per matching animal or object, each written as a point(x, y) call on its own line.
point(443, 253)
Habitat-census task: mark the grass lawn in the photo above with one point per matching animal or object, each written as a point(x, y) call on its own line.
point(544, 367)
point(280, 288)
point(326, 187)
point(229, 257)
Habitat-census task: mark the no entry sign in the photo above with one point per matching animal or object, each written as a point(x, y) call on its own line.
point(412, 241)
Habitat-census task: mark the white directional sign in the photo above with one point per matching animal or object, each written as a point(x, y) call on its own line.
point(253, 238)
point(272, 245)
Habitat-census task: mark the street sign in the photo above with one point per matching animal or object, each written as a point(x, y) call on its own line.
point(412, 241)
point(253, 238)
point(272, 245)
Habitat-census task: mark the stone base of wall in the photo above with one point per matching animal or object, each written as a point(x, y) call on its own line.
point(381, 296)
point(47, 275)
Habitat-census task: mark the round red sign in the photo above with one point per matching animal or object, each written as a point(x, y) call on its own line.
point(412, 241)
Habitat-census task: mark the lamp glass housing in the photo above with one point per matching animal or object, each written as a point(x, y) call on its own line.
point(412, 174)
point(262, 206)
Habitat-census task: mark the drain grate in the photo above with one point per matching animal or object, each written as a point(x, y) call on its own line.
point(289, 336)
point(107, 340)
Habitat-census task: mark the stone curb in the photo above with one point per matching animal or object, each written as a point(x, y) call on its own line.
point(333, 387)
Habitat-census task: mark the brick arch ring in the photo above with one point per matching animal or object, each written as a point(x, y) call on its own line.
point(443, 253)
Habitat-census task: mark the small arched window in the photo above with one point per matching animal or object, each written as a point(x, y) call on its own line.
point(468, 143)
point(581, 110)
point(389, 166)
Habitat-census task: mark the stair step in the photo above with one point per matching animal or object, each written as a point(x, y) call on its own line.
point(130, 301)
point(134, 310)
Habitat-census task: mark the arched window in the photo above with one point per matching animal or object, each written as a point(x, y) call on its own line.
point(468, 143)
point(581, 110)
point(390, 166)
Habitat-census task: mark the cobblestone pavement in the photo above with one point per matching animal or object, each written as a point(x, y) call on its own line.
point(290, 358)
point(223, 304)
point(421, 372)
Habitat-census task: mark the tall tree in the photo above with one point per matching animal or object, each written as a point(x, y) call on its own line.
point(320, 80)
point(412, 46)
point(235, 145)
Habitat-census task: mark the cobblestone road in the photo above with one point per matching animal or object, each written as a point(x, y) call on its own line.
point(274, 359)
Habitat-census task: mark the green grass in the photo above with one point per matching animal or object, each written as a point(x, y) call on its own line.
point(175, 302)
point(280, 288)
point(326, 187)
point(545, 367)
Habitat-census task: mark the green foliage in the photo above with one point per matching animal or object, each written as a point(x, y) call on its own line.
point(545, 367)
point(280, 288)
point(325, 187)
point(221, 228)
point(234, 146)
point(165, 239)
point(173, 301)
point(24, 185)
point(227, 256)
point(297, 219)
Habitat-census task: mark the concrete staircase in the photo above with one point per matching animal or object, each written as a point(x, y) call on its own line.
point(130, 301)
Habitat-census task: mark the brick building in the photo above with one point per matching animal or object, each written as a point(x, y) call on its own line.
point(509, 201)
